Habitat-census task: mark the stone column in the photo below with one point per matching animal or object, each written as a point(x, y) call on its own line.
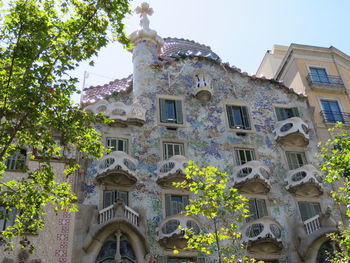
point(118, 257)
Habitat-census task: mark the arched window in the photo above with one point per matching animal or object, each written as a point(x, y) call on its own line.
point(325, 252)
point(109, 250)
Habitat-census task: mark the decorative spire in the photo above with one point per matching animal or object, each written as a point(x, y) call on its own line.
point(144, 10)
point(145, 33)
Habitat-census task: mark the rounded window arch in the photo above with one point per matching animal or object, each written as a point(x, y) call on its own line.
point(325, 252)
point(108, 250)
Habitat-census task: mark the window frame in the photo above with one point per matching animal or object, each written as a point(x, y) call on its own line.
point(283, 106)
point(308, 201)
point(126, 139)
point(15, 160)
point(159, 111)
point(163, 141)
point(248, 118)
point(183, 202)
point(259, 197)
point(114, 193)
point(331, 99)
point(286, 152)
point(318, 67)
point(240, 147)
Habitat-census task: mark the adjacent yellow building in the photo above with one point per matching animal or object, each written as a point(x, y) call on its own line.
point(323, 74)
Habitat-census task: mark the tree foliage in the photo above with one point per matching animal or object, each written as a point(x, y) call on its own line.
point(221, 206)
point(41, 42)
point(335, 163)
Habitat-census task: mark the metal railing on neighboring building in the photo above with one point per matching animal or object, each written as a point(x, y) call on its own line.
point(335, 116)
point(325, 79)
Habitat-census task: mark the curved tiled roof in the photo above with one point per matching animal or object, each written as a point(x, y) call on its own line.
point(90, 95)
point(178, 48)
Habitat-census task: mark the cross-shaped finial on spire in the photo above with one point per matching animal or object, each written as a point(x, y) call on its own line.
point(144, 10)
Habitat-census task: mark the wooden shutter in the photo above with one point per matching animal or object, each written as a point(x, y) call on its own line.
point(280, 114)
point(107, 198)
point(178, 110)
point(261, 207)
point(123, 196)
point(162, 110)
point(305, 210)
point(230, 116)
point(295, 112)
point(168, 205)
point(253, 213)
point(245, 118)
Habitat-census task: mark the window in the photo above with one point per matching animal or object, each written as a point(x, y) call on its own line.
point(319, 75)
point(244, 155)
point(117, 144)
point(7, 218)
point(17, 161)
point(111, 196)
point(296, 159)
point(170, 111)
point(257, 209)
point(175, 204)
point(309, 209)
point(170, 149)
point(331, 111)
point(286, 113)
point(238, 117)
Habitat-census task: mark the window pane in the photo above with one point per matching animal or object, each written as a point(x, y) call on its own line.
point(296, 159)
point(171, 149)
point(244, 155)
point(170, 110)
point(332, 112)
point(309, 209)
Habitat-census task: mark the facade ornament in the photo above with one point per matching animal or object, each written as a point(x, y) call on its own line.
point(145, 32)
point(118, 257)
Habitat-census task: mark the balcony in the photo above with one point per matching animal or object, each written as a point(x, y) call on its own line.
point(117, 168)
point(252, 177)
point(262, 236)
point(203, 89)
point(335, 116)
point(171, 170)
point(326, 83)
point(170, 233)
point(118, 210)
point(305, 181)
point(122, 114)
point(292, 132)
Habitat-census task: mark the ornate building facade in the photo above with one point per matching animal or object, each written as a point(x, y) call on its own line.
point(182, 103)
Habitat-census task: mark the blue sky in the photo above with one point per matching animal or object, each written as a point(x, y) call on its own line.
point(239, 31)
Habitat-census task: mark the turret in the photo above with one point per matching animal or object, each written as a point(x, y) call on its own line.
point(147, 45)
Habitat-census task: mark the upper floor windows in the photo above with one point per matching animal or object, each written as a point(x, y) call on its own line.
point(111, 196)
point(257, 209)
point(175, 204)
point(244, 155)
point(238, 117)
point(7, 218)
point(172, 148)
point(284, 113)
point(170, 111)
point(331, 111)
point(117, 144)
point(309, 209)
point(296, 159)
point(319, 75)
point(17, 160)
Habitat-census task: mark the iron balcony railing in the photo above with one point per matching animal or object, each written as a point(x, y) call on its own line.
point(335, 116)
point(325, 79)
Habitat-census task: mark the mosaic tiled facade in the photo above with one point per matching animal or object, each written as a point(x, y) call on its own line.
point(203, 97)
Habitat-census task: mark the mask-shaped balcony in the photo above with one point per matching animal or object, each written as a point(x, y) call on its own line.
point(262, 236)
point(292, 131)
point(304, 181)
point(203, 89)
point(122, 114)
point(117, 168)
point(170, 234)
point(252, 177)
point(171, 170)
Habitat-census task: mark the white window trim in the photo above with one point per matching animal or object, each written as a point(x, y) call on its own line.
point(162, 141)
point(120, 137)
point(325, 67)
point(240, 146)
point(295, 150)
point(170, 97)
